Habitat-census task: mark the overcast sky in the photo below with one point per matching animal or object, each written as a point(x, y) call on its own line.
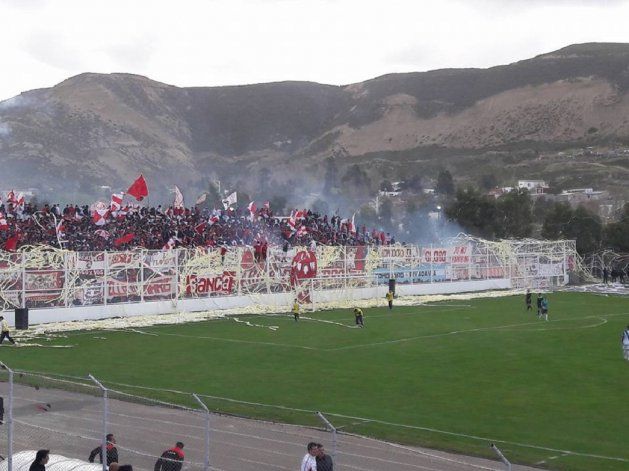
point(229, 42)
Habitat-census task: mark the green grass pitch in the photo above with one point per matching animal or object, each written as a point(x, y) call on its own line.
point(459, 373)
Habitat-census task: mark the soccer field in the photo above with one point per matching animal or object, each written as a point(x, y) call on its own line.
point(452, 375)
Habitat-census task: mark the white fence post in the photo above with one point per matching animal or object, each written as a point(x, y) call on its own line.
point(103, 446)
point(206, 461)
point(333, 430)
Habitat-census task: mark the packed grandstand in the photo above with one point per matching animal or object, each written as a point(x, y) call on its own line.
point(101, 227)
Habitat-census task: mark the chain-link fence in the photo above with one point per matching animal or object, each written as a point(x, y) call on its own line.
point(167, 430)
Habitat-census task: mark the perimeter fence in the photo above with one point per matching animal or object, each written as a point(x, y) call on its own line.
point(72, 417)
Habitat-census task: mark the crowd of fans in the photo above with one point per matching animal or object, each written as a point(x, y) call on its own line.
point(84, 228)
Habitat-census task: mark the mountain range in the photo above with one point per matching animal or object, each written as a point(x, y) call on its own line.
point(516, 120)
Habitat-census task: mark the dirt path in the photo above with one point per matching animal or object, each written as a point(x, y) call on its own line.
point(72, 426)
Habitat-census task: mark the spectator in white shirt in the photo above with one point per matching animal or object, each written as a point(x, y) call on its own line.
point(309, 463)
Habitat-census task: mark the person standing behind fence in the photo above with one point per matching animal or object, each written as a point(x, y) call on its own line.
point(4, 325)
point(41, 458)
point(624, 341)
point(171, 459)
point(112, 451)
point(529, 300)
point(309, 463)
point(324, 462)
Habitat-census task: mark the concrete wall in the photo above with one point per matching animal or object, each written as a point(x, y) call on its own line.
point(280, 301)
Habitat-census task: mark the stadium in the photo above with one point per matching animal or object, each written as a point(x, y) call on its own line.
point(199, 345)
point(314, 235)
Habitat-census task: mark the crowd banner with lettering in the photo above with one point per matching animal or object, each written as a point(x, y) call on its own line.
point(52, 278)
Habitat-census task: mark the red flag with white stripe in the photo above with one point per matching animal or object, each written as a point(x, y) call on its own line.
point(116, 201)
point(99, 217)
point(4, 225)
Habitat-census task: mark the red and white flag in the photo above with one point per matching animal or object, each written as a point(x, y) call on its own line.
point(213, 219)
point(4, 226)
point(138, 189)
point(178, 203)
point(267, 204)
point(252, 209)
point(99, 217)
point(116, 201)
point(231, 199)
point(11, 197)
point(59, 229)
point(351, 225)
point(199, 228)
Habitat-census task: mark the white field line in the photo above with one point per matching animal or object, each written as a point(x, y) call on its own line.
point(478, 329)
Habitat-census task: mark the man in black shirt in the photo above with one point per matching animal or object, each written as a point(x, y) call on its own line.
point(112, 451)
point(171, 459)
point(324, 462)
point(41, 458)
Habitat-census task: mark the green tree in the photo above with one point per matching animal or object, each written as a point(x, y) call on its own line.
point(475, 212)
point(586, 228)
point(556, 221)
point(514, 215)
point(488, 181)
point(616, 234)
point(445, 183)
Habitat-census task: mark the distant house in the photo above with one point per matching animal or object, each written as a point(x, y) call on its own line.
point(581, 195)
point(388, 193)
point(535, 187)
point(429, 191)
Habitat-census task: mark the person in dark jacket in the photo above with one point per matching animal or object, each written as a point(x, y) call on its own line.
point(112, 451)
point(171, 459)
point(41, 458)
point(324, 462)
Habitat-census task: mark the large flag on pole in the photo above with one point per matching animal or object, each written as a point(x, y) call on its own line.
point(138, 189)
point(178, 203)
point(231, 199)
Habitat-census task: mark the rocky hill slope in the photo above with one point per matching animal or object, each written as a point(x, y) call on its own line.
point(95, 129)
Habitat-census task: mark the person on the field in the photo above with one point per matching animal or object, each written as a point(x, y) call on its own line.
point(171, 459)
point(545, 308)
point(296, 310)
point(539, 304)
point(529, 300)
point(112, 451)
point(624, 341)
point(309, 462)
point(605, 275)
point(4, 325)
point(358, 313)
point(389, 297)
